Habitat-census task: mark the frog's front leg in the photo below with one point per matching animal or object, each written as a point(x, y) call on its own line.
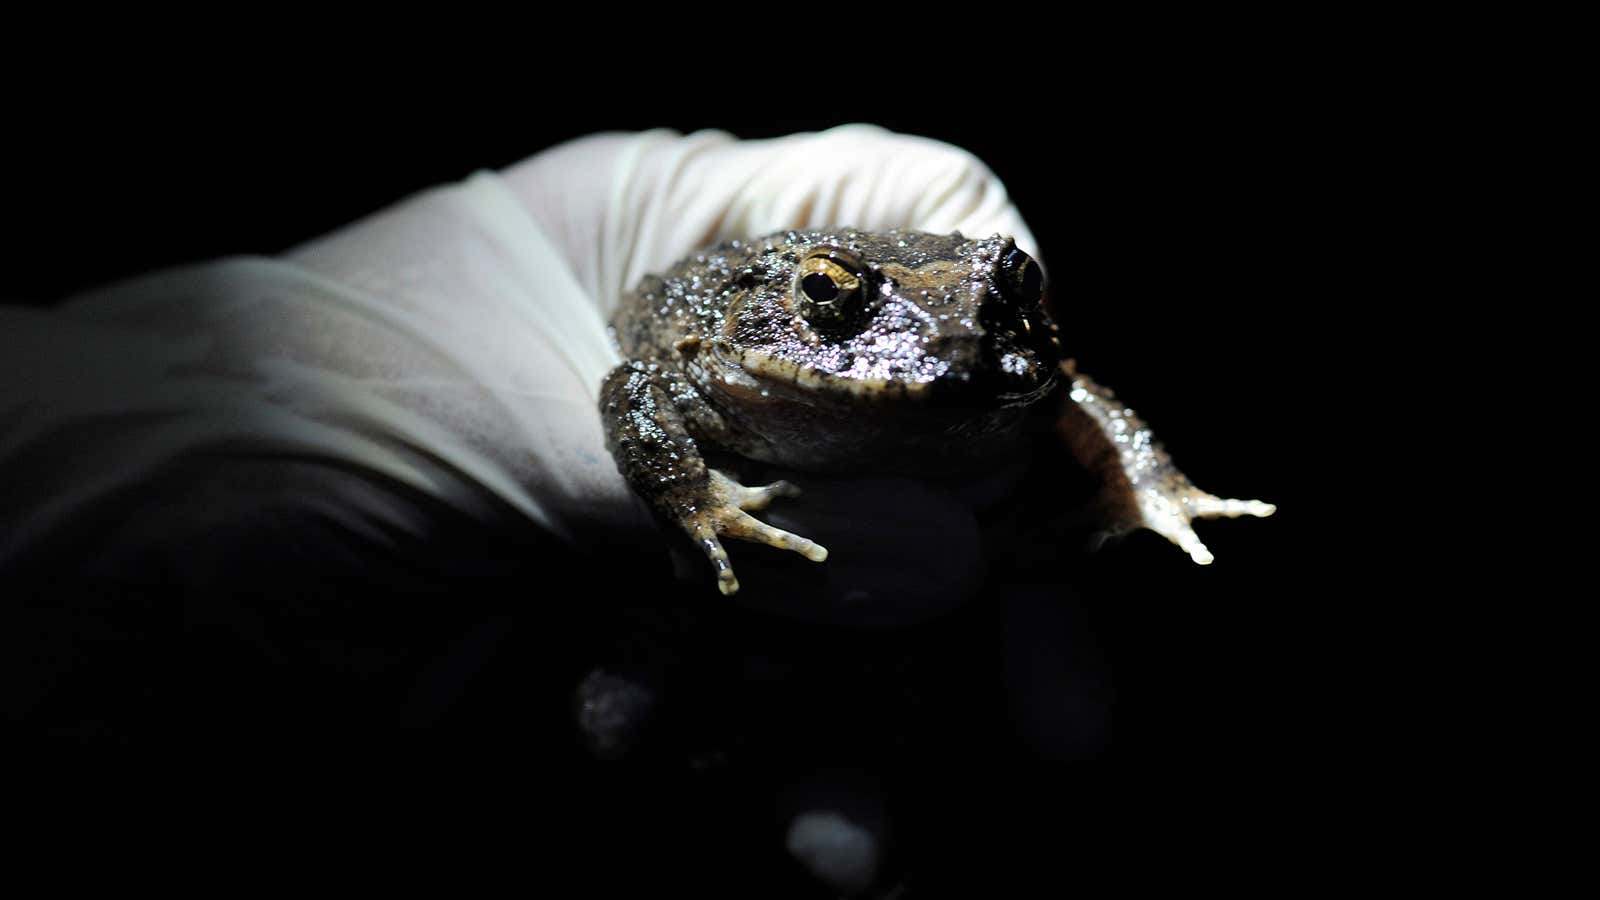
point(651, 417)
point(1141, 488)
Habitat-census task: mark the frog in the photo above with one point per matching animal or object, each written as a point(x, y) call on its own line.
point(844, 350)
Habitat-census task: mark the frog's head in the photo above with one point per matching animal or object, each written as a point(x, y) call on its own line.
point(844, 318)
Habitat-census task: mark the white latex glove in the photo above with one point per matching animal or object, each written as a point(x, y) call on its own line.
point(450, 347)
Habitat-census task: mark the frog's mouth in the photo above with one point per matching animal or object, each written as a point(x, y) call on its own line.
point(1030, 395)
point(755, 376)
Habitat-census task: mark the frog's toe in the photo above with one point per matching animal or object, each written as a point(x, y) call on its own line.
point(1170, 512)
point(1181, 534)
point(750, 497)
point(1207, 506)
point(748, 528)
point(704, 531)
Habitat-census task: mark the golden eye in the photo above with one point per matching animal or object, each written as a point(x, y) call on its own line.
point(830, 286)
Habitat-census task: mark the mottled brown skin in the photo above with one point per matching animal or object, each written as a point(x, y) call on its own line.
point(839, 350)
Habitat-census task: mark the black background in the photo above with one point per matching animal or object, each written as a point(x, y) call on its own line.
point(1194, 204)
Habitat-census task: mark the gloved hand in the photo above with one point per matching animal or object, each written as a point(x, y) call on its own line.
point(274, 434)
point(444, 356)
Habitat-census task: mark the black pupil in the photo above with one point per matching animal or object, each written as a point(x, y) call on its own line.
point(819, 287)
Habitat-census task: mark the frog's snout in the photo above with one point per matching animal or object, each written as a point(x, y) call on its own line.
point(1017, 343)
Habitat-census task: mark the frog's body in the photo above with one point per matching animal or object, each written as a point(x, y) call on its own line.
point(851, 351)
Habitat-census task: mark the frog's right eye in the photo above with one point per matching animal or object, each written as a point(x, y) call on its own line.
point(1022, 280)
point(830, 287)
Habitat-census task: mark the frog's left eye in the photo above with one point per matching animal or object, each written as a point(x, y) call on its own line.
point(1021, 277)
point(830, 287)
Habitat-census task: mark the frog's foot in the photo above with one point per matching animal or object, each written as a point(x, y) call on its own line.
point(1141, 486)
point(1168, 509)
point(725, 516)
